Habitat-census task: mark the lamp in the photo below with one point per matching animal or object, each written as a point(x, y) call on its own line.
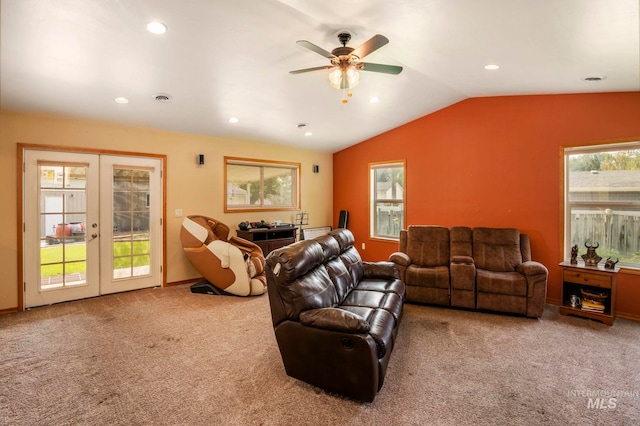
point(345, 77)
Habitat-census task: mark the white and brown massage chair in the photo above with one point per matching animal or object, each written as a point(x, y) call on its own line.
point(231, 265)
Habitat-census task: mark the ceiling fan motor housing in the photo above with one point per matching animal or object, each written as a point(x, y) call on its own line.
point(344, 38)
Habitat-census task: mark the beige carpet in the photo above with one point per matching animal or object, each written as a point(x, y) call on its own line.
point(170, 357)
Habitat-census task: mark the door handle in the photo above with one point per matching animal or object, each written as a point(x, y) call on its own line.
point(93, 237)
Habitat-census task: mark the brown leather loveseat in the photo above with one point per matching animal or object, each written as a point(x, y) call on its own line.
point(335, 317)
point(480, 268)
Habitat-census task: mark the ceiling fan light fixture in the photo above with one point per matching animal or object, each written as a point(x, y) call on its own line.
point(346, 62)
point(344, 78)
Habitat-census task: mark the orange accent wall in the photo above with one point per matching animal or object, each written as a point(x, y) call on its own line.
point(491, 161)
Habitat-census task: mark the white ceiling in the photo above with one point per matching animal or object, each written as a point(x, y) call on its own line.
point(232, 58)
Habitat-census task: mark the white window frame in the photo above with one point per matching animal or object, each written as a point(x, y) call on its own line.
point(603, 205)
point(260, 165)
point(374, 201)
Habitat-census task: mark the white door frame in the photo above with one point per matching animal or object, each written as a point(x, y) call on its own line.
point(44, 292)
point(22, 148)
point(153, 166)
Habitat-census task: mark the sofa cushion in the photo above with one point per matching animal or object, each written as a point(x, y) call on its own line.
point(312, 291)
point(437, 277)
point(295, 260)
point(302, 280)
point(461, 241)
point(497, 249)
point(510, 283)
point(340, 276)
point(344, 237)
point(428, 245)
point(353, 262)
point(385, 286)
point(390, 302)
point(382, 327)
point(330, 246)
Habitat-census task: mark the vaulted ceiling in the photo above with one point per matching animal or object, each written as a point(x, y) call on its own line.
point(222, 59)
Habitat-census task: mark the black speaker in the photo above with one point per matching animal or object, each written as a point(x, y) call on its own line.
point(316, 168)
point(342, 221)
point(200, 159)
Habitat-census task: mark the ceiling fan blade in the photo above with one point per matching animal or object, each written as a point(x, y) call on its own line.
point(326, 67)
point(319, 50)
point(386, 69)
point(374, 43)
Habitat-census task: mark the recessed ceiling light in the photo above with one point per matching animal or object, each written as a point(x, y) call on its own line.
point(308, 134)
point(233, 120)
point(374, 100)
point(156, 27)
point(491, 67)
point(121, 100)
point(594, 78)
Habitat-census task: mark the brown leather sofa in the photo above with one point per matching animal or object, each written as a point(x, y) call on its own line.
point(481, 268)
point(335, 317)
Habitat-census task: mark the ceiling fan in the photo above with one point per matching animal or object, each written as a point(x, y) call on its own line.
point(345, 61)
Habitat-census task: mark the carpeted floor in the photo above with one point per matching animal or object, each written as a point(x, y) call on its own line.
point(170, 357)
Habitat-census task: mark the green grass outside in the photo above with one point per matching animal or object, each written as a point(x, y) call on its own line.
point(125, 255)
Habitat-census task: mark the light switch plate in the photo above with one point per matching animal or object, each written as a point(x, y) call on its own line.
point(178, 213)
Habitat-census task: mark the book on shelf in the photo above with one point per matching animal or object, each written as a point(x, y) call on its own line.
point(589, 305)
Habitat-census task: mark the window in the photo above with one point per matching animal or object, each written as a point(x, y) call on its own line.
point(256, 185)
point(387, 200)
point(602, 201)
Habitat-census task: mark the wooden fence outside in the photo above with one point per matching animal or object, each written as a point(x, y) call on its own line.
point(390, 222)
point(618, 232)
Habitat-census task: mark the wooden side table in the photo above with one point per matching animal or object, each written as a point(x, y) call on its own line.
point(270, 239)
point(577, 278)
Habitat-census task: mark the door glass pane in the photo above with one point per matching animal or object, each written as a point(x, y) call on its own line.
point(131, 245)
point(142, 264)
point(122, 200)
point(62, 211)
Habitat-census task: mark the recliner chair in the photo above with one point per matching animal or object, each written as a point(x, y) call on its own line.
point(507, 279)
point(423, 263)
point(233, 265)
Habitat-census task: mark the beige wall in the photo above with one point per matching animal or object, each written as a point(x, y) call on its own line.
point(194, 189)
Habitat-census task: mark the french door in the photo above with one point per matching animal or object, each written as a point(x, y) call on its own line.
point(92, 225)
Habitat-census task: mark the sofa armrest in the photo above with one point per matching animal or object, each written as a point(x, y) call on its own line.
point(531, 268)
point(536, 275)
point(334, 319)
point(380, 270)
point(462, 259)
point(400, 258)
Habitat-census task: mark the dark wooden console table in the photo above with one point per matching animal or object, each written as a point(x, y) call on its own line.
point(270, 239)
point(595, 279)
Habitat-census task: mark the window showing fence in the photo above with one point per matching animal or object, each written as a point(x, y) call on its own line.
point(387, 186)
point(602, 201)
